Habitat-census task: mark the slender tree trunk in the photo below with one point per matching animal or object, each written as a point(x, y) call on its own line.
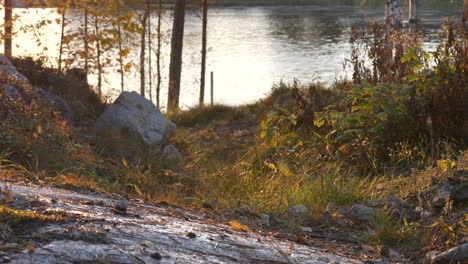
point(8, 29)
point(413, 16)
point(388, 17)
point(158, 55)
point(62, 35)
point(203, 58)
point(142, 52)
point(150, 77)
point(175, 65)
point(119, 35)
point(98, 50)
point(396, 14)
point(86, 42)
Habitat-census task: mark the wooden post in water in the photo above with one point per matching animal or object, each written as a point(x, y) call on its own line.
point(8, 25)
point(212, 80)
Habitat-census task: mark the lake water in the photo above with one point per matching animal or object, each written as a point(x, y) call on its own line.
point(251, 45)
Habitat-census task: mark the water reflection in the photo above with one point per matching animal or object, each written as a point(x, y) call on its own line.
point(250, 48)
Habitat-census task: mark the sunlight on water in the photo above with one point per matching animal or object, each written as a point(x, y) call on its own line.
point(250, 48)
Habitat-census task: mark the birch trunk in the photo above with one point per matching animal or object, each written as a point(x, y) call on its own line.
point(158, 55)
point(150, 79)
point(98, 51)
point(142, 52)
point(119, 35)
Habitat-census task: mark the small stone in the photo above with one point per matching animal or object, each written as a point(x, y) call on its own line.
point(426, 213)
point(393, 202)
point(298, 210)
point(305, 229)
point(4, 227)
point(460, 193)
point(453, 255)
point(405, 204)
point(274, 220)
point(156, 255)
point(370, 203)
point(390, 253)
point(192, 235)
point(121, 208)
point(265, 219)
point(418, 210)
point(5, 259)
point(244, 209)
point(362, 213)
point(441, 198)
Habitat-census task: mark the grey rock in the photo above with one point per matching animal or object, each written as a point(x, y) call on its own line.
point(11, 91)
point(394, 202)
point(244, 209)
point(460, 193)
point(370, 203)
point(265, 219)
point(171, 156)
point(14, 74)
point(5, 61)
point(362, 213)
point(128, 239)
point(298, 210)
point(59, 104)
point(453, 255)
point(274, 220)
point(136, 121)
point(440, 199)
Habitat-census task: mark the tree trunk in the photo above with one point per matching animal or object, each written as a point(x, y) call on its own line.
point(388, 17)
point(62, 35)
point(119, 35)
point(413, 16)
point(150, 81)
point(175, 65)
point(396, 14)
point(8, 28)
point(86, 43)
point(98, 50)
point(203, 52)
point(142, 52)
point(158, 55)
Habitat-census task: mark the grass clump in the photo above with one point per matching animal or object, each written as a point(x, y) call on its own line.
point(19, 218)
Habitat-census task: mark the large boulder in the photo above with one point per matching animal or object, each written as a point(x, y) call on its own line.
point(59, 104)
point(10, 70)
point(10, 91)
point(136, 123)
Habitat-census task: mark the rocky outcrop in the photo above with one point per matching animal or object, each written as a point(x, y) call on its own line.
point(59, 104)
point(10, 91)
point(13, 80)
point(10, 70)
point(138, 127)
point(92, 230)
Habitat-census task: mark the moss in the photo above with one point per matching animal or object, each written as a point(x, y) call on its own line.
point(17, 218)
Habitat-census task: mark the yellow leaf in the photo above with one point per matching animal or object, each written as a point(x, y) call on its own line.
point(239, 227)
point(269, 165)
